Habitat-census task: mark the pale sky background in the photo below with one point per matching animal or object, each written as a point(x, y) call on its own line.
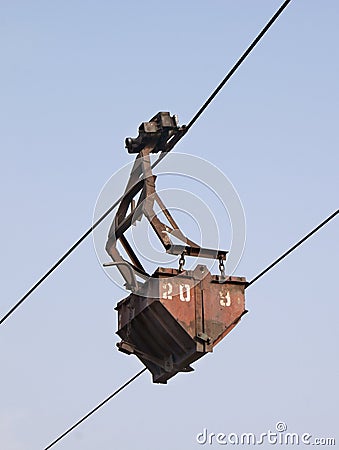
point(76, 78)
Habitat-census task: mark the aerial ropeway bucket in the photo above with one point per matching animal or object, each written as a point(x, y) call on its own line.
point(178, 317)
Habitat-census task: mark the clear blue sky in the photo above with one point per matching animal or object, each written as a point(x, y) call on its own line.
point(76, 78)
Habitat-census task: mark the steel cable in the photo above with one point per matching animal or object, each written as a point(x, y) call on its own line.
point(290, 250)
point(162, 155)
point(95, 409)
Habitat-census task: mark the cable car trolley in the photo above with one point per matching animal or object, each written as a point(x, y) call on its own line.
point(174, 316)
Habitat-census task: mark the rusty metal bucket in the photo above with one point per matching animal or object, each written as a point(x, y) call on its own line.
point(178, 317)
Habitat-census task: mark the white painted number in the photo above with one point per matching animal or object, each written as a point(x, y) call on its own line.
point(225, 298)
point(184, 292)
point(168, 289)
point(183, 288)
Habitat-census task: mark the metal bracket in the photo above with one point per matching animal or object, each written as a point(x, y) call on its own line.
point(204, 338)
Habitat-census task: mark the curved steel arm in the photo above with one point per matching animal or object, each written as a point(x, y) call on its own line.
point(160, 133)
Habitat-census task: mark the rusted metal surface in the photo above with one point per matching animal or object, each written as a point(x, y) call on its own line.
point(178, 317)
